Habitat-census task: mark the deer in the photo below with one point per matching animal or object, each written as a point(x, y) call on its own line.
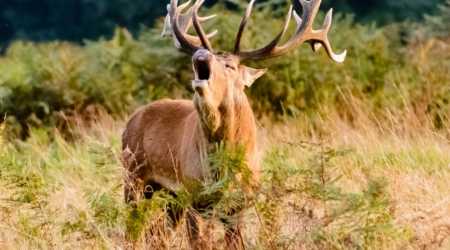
point(166, 143)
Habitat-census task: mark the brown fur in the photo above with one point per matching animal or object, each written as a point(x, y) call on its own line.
point(165, 142)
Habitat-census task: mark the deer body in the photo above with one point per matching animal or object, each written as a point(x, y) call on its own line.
point(167, 143)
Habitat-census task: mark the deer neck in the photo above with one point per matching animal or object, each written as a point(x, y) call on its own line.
point(232, 122)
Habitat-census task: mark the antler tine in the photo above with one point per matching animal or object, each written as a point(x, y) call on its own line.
point(263, 52)
point(326, 42)
point(317, 38)
point(244, 21)
point(206, 18)
point(184, 42)
point(304, 33)
point(185, 21)
point(198, 28)
point(182, 22)
point(167, 29)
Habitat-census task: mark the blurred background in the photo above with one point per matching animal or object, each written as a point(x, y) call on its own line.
point(71, 58)
point(76, 20)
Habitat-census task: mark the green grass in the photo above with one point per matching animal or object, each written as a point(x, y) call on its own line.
point(374, 191)
point(54, 192)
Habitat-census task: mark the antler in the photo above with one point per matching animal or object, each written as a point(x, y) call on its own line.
point(304, 33)
point(177, 25)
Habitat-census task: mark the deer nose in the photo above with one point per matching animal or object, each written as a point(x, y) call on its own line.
point(202, 55)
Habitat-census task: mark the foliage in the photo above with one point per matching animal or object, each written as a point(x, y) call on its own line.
point(49, 83)
point(73, 188)
point(146, 214)
point(76, 20)
point(40, 83)
point(73, 20)
point(439, 24)
point(387, 11)
point(347, 220)
point(69, 194)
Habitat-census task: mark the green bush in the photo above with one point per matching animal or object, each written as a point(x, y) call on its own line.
point(349, 220)
point(40, 81)
point(439, 24)
point(42, 84)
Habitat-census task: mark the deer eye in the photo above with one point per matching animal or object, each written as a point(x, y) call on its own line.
point(230, 66)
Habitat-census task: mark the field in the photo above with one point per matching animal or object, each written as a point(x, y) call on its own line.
point(336, 187)
point(354, 156)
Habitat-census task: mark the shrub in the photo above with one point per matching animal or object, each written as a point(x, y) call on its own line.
point(439, 24)
point(43, 84)
point(326, 216)
point(40, 81)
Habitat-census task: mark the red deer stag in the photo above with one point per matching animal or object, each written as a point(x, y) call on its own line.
point(166, 143)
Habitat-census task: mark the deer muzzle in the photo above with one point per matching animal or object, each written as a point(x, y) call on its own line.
point(202, 70)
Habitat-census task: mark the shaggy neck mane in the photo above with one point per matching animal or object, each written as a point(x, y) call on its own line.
point(232, 122)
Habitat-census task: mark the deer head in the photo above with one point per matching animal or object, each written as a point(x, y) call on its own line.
point(220, 78)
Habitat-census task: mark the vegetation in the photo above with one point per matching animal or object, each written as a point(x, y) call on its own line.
point(352, 188)
point(73, 20)
point(439, 24)
point(56, 77)
point(50, 82)
point(76, 20)
point(355, 156)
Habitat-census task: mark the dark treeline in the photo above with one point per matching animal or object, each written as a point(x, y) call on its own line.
point(76, 20)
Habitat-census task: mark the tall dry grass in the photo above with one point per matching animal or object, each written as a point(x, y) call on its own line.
point(329, 183)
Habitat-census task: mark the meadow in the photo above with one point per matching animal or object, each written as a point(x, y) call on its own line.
point(354, 156)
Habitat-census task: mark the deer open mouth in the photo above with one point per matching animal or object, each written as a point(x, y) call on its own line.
point(202, 70)
point(202, 74)
point(202, 65)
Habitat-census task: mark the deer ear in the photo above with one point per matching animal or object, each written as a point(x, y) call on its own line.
point(250, 75)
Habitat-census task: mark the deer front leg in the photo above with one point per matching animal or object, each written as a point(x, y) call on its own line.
point(133, 186)
point(133, 189)
point(233, 237)
point(232, 223)
point(193, 231)
point(128, 192)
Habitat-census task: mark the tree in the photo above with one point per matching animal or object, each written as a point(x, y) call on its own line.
point(76, 20)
